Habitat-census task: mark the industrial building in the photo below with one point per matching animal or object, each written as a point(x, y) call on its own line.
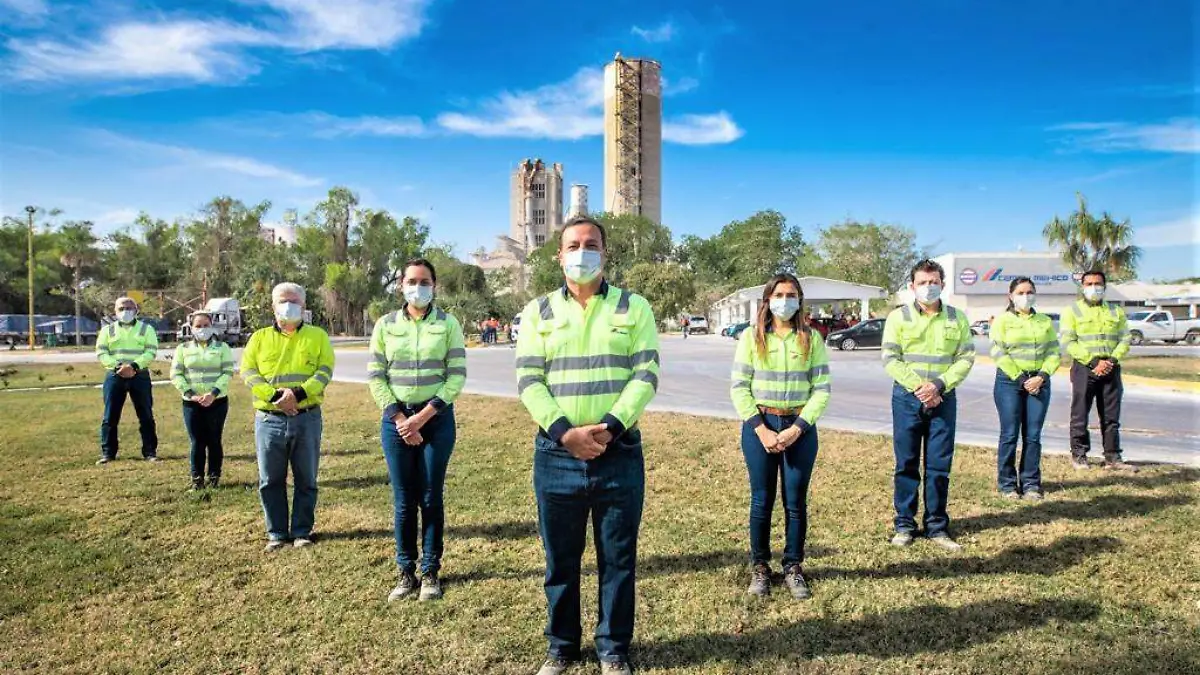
point(535, 214)
point(844, 296)
point(579, 201)
point(633, 137)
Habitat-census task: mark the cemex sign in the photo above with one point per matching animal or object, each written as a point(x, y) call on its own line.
point(992, 274)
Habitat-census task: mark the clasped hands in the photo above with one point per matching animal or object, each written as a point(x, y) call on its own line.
point(777, 441)
point(288, 404)
point(1103, 367)
point(587, 442)
point(929, 395)
point(409, 428)
point(126, 371)
point(204, 400)
point(1034, 384)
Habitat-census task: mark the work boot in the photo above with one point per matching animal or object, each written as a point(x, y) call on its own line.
point(274, 545)
point(794, 579)
point(105, 460)
point(303, 542)
point(1080, 463)
point(214, 482)
point(555, 666)
point(406, 587)
point(1119, 466)
point(760, 581)
point(1034, 495)
point(902, 538)
point(197, 484)
point(945, 542)
point(1011, 495)
point(153, 458)
point(615, 668)
point(431, 588)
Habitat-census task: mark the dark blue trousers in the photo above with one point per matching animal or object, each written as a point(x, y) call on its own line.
point(1021, 419)
point(418, 477)
point(139, 390)
point(206, 427)
point(916, 430)
point(796, 466)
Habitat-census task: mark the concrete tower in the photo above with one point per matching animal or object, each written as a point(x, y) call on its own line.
point(579, 201)
point(633, 137)
point(536, 203)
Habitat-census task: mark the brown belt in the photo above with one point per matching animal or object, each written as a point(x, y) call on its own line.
point(782, 412)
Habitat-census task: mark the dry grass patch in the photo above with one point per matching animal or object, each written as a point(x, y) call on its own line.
point(1182, 368)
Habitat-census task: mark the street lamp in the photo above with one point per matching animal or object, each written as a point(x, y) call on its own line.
point(31, 210)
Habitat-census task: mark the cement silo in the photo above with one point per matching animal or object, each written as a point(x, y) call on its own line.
point(633, 137)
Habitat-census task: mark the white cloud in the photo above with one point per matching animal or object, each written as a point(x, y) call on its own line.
point(1176, 135)
point(568, 110)
point(663, 33)
point(1183, 231)
point(681, 86)
point(330, 126)
point(194, 159)
point(115, 218)
point(27, 8)
point(702, 129)
point(215, 50)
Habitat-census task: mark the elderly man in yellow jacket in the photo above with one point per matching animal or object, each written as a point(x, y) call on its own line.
point(287, 366)
point(126, 348)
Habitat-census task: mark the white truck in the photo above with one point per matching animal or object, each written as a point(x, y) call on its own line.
point(1162, 326)
point(226, 320)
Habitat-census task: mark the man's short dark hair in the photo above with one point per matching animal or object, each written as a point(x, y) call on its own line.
point(1094, 273)
point(420, 262)
point(927, 265)
point(587, 220)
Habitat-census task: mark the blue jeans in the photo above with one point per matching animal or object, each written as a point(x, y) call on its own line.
point(418, 478)
point(1021, 415)
point(140, 391)
point(610, 488)
point(282, 441)
point(205, 427)
point(912, 428)
point(796, 465)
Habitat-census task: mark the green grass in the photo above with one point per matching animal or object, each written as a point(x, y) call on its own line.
point(26, 375)
point(1180, 368)
point(117, 569)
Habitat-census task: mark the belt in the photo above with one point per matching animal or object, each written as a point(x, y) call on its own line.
point(782, 412)
point(280, 413)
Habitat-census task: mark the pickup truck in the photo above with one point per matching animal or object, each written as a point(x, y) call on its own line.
point(1164, 327)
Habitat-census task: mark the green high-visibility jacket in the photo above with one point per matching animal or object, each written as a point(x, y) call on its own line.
point(202, 368)
point(783, 377)
point(920, 348)
point(118, 344)
point(1091, 332)
point(578, 366)
point(1024, 343)
point(274, 360)
point(416, 361)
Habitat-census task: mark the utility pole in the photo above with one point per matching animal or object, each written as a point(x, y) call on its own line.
point(78, 313)
point(31, 210)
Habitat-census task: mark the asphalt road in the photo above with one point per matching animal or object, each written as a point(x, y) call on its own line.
point(1158, 425)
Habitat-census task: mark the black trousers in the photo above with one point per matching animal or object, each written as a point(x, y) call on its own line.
point(1106, 393)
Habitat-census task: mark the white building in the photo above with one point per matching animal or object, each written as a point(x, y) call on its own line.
point(977, 283)
point(854, 298)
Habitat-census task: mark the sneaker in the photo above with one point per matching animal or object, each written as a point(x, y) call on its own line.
point(431, 588)
point(794, 579)
point(197, 484)
point(302, 542)
point(1080, 463)
point(1034, 495)
point(214, 482)
point(275, 545)
point(615, 668)
point(760, 581)
point(555, 666)
point(1011, 494)
point(153, 458)
point(902, 538)
point(946, 542)
point(1119, 466)
point(105, 460)
point(406, 587)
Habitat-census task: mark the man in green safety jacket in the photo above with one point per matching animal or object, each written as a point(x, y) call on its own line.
point(287, 366)
point(587, 367)
point(1095, 334)
point(126, 348)
point(928, 350)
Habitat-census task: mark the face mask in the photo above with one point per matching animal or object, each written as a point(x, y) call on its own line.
point(1093, 293)
point(927, 295)
point(785, 308)
point(288, 312)
point(418, 296)
point(1024, 302)
point(582, 266)
point(203, 334)
point(126, 315)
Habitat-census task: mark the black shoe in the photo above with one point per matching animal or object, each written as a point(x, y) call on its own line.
point(794, 578)
point(197, 484)
point(152, 458)
point(105, 460)
point(214, 482)
point(760, 581)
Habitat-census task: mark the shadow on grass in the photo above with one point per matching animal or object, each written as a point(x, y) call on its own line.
point(325, 454)
point(1042, 560)
point(510, 530)
point(356, 482)
point(1143, 481)
point(1100, 508)
point(899, 633)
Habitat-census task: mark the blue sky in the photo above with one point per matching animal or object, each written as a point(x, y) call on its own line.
point(971, 122)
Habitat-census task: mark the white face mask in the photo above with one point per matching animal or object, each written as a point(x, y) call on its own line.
point(785, 308)
point(203, 334)
point(126, 315)
point(289, 312)
point(418, 296)
point(1094, 293)
point(582, 266)
point(1024, 302)
point(929, 294)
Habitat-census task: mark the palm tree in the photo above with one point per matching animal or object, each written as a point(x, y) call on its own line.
point(77, 250)
point(1090, 243)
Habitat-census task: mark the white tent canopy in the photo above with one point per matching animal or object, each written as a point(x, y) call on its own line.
point(743, 305)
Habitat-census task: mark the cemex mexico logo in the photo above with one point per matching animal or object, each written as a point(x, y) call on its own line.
point(969, 276)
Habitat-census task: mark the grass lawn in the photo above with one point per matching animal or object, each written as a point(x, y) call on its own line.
point(117, 569)
point(24, 375)
point(1182, 368)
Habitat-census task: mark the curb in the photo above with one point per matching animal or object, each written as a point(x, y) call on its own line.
point(1137, 380)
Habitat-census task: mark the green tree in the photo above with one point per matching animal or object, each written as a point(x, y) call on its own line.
point(868, 253)
point(669, 287)
point(219, 241)
point(1086, 242)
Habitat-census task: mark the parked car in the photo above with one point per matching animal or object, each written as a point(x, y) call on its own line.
point(826, 325)
point(697, 324)
point(1164, 327)
point(982, 327)
point(869, 333)
point(735, 331)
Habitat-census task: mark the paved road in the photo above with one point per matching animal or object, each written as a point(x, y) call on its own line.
point(1159, 425)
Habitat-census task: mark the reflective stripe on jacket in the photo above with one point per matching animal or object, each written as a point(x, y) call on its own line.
point(275, 360)
point(118, 344)
point(1024, 343)
point(414, 361)
point(919, 347)
point(201, 369)
point(1099, 331)
point(783, 377)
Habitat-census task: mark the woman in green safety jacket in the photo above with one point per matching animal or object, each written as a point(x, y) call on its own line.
point(417, 369)
point(201, 371)
point(781, 386)
point(1025, 348)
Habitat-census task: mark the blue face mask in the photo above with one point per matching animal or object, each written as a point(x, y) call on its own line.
point(929, 294)
point(582, 266)
point(785, 308)
point(289, 312)
point(418, 296)
point(127, 315)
